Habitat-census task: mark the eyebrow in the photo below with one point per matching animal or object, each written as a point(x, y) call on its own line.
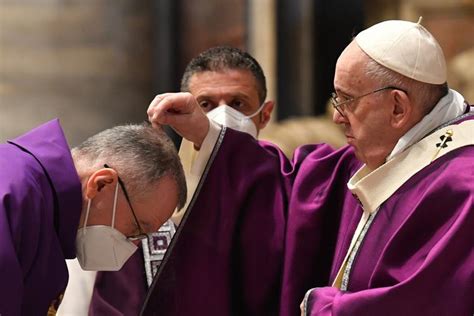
point(207, 96)
point(241, 96)
point(343, 93)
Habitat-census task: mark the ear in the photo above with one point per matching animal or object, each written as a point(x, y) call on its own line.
point(266, 114)
point(402, 109)
point(99, 180)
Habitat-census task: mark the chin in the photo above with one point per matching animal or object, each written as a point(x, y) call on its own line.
point(351, 142)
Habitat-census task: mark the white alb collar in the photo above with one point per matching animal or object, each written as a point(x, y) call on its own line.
point(449, 107)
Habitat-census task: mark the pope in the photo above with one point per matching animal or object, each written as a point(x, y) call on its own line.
point(382, 226)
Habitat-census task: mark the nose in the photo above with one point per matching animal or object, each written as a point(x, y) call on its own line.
point(338, 118)
point(215, 105)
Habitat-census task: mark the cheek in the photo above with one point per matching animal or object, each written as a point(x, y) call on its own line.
point(377, 134)
point(124, 221)
point(155, 219)
point(376, 119)
point(368, 131)
point(256, 119)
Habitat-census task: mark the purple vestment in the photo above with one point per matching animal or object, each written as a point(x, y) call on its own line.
point(417, 257)
point(41, 201)
point(228, 253)
point(120, 292)
point(262, 231)
point(123, 292)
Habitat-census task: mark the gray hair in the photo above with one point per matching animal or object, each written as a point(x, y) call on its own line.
point(423, 94)
point(140, 154)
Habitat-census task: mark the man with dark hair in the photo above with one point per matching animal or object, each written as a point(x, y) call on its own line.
point(230, 88)
point(380, 227)
point(95, 202)
point(225, 81)
point(222, 58)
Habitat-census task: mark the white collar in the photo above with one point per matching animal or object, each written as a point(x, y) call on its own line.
point(373, 187)
point(449, 107)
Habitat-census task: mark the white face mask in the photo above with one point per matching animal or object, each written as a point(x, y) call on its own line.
point(102, 248)
point(230, 117)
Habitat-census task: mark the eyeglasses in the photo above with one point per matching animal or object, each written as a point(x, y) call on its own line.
point(339, 105)
point(141, 235)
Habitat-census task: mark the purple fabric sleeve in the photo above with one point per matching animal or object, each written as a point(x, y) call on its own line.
point(40, 204)
point(121, 292)
point(16, 250)
point(418, 258)
point(227, 256)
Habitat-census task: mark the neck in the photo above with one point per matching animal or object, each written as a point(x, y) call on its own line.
point(448, 108)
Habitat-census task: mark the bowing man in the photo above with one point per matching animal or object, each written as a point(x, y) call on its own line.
point(96, 201)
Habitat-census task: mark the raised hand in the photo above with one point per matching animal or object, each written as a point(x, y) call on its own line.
point(182, 112)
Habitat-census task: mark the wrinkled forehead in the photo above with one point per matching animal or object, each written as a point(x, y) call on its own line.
point(351, 68)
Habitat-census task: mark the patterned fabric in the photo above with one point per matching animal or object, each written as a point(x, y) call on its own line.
point(154, 248)
point(355, 249)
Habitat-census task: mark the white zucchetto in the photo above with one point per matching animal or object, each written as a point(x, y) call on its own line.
point(405, 47)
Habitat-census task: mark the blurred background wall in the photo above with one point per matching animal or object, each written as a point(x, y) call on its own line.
point(86, 62)
point(98, 63)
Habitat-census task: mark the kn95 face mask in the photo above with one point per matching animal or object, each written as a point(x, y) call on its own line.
point(230, 117)
point(101, 247)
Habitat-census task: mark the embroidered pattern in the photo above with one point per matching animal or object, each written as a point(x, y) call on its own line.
point(154, 248)
point(445, 139)
point(217, 146)
point(354, 251)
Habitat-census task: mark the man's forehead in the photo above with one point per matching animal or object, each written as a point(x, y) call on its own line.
point(230, 74)
point(350, 69)
point(238, 82)
point(351, 57)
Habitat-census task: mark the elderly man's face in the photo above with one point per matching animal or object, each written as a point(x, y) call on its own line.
point(233, 87)
point(366, 120)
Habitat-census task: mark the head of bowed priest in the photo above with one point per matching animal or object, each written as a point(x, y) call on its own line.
point(132, 180)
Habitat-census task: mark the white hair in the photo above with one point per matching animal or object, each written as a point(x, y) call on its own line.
point(424, 95)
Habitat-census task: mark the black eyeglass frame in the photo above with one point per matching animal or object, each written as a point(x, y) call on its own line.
point(337, 105)
point(141, 235)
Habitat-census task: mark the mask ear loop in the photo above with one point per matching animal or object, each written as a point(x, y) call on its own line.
point(115, 205)
point(256, 113)
point(89, 201)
